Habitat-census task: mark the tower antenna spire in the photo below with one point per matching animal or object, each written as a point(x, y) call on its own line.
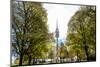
point(57, 36)
point(57, 23)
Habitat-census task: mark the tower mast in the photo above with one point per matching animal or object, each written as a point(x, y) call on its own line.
point(57, 36)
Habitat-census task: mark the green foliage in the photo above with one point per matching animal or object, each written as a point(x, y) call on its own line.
point(63, 52)
point(82, 31)
point(29, 29)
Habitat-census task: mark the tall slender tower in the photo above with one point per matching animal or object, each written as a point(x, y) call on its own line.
point(57, 36)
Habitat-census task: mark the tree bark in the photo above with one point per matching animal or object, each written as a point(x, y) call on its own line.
point(33, 61)
point(30, 58)
point(21, 59)
point(86, 51)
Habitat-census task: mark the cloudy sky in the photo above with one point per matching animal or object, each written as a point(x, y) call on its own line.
point(59, 13)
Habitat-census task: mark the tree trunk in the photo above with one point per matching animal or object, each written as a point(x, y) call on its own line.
point(77, 57)
point(30, 58)
point(21, 59)
point(86, 48)
point(86, 51)
point(33, 61)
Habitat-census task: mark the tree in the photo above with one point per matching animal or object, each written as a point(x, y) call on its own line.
point(29, 28)
point(63, 52)
point(82, 30)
